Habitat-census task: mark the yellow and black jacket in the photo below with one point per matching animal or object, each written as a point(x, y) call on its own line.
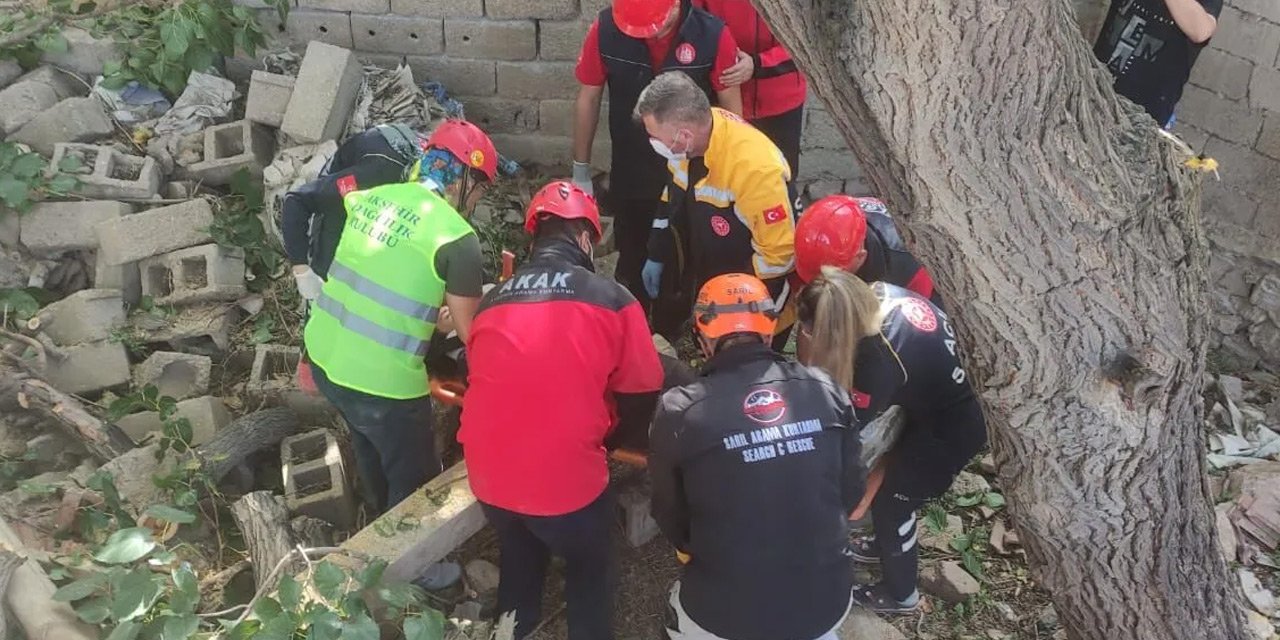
point(739, 216)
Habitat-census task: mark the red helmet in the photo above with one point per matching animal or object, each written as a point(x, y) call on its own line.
point(831, 232)
point(468, 144)
point(562, 199)
point(642, 18)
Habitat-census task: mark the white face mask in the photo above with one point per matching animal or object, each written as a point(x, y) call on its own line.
point(665, 151)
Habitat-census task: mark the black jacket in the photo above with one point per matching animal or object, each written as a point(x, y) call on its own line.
point(888, 259)
point(755, 470)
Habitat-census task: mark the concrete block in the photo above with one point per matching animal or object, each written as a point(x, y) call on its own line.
point(52, 227)
point(397, 34)
point(1269, 139)
point(363, 6)
point(108, 174)
point(268, 98)
point(491, 39)
point(228, 148)
point(90, 367)
point(177, 375)
point(22, 101)
point(1194, 136)
point(85, 54)
point(439, 8)
point(1222, 73)
point(10, 70)
point(548, 151)
point(608, 242)
point(1233, 121)
point(207, 416)
point(820, 131)
point(461, 77)
point(273, 370)
point(122, 277)
point(501, 115)
point(561, 40)
point(72, 120)
point(203, 329)
point(1247, 36)
point(1246, 176)
point(305, 25)
point(638, 525)
point(828, 164)
point(88, 315)
point(1264, 89)
point(555, 118)
point(151, 233)
point(543, 9)
point(64, 83)
point(536, 79)
point(206, 273)
point(324, 95)
point(1268, 9)
point(315, 479)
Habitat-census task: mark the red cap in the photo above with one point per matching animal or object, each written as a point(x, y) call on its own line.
point(562, 199)
point(468, 144)
point(642, 18)
point(831, 232)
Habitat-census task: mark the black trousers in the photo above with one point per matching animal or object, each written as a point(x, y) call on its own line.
point(894, 520)
point(632, 220)
point(583, 539)
point(785, 130)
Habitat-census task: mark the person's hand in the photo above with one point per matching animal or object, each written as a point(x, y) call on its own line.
point(444, 322)
point(582, 177)
point(309, 283)
point(740, 72)
point(651, 276)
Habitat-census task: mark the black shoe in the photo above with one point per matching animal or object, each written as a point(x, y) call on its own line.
point(863, 549)
point(876, 598)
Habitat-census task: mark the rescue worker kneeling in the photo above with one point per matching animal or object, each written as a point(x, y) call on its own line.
point(755, 470)
point(561, 366)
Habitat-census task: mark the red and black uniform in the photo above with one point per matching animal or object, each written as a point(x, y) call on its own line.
point(912, 363)
point(560, 360)
point(888, 259)
point(773, 99)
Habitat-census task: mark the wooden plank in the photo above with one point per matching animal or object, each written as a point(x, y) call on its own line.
point(30, 599)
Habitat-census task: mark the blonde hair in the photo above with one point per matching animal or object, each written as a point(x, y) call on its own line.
point(838, 310)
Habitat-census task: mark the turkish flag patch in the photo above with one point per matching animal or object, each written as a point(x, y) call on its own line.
point(347, 184)
point(775, 214)
point(860, 399)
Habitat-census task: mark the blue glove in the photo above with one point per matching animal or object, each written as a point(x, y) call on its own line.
point(651, 276)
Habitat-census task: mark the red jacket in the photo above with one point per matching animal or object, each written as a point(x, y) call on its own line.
point(557, 356)
point(777, 87)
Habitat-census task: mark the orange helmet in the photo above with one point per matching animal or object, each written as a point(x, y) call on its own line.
point(562, 199)
point(831, 232)
point(468, 144)
point(734, 303)
point(642, 18)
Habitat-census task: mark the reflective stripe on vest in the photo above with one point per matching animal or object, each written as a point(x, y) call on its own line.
point(356, 324)
point(382, 295)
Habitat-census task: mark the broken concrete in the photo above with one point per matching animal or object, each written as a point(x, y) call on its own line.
point(109, 174)
point(207, 416)
point(177, 375)
point(941, 540)
point(949, 581)
point(90, 367)
point(206, 273)
point(230, 148)
point(269, 95)
point(638, 524)
point(970, 483)
point(862, 624)
point(54, 227)
point(23, 101)
point(64, 83)
point(85, 316)
point(72, 120)
point(315, 478)
point(155, 232)
point(203, 329)
point(122, 277)
point(85, 54)
point(9, 71)
point(324, 94)
point(482, 576)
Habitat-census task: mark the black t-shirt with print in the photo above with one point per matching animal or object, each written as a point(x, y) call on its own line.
point(1150, 57)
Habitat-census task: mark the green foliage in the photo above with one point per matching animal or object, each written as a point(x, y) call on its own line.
point(24, 181)
point(935, 518)
point(48, 39)
point(967, 545)
point(991, 499)
point(18, 305)
point(238, 223)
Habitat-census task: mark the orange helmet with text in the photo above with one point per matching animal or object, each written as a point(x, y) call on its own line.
point(642, 18)
point(468, 144)
point(562, 199)
point(734, 303)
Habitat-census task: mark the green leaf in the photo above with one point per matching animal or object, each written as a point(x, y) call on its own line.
point(180, 627)
point(167, 407)
point(81, 589)
point(994, 500)
point(962, 543)
point(281, 627)
point(93, 611)
point(27, 166)
point(290, 593)
point(244, 631)
point(63, 184)
point(18, 303)
point(935, 518)
point(135, 594)
point(174, 37)
point(185, 498)
point(328, 580)
point(126, 545)
point(186, 594)
point(37, 488)
point(324, 624)
point(170, 514)
point(424, 626)
point(371, 574)
point(179, 429)
point(116, 81)
point(972, 563)
point(267, 609)
point(402, 595)
point(52, 42)
point(14, 192)
point(969, 501)
point(127, 630)
point(360, 627)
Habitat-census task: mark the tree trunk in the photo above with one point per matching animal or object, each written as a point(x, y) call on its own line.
point(1065, 234)
point(264, 522)
point(20, 393)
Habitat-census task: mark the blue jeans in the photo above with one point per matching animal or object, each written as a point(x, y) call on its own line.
point(393, 440)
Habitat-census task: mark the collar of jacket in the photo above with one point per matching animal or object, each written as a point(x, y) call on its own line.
point(560, 250)
point(719, 132)
point(738, 355)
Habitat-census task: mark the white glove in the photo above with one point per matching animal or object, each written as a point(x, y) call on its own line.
point(582, 177)
point(309, 284)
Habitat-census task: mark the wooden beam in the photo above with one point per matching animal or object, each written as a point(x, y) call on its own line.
point(30, 598)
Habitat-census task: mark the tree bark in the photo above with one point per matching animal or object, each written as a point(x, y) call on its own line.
point(264, 522)
point(1065, 234)
point(21, 392)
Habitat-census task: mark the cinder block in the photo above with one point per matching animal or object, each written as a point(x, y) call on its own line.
point(461, 77)
point(1233, 121)
point(122, 277)
point(820, 131)
point(536, 79)
point(177, 375)
point(1269, 139)
point(22, 101)
point(90, 367)
point(111, 174)
point(491, 39)
point(1246, 174)
point(207, 416)
point(52, 227)
point(315, 479)
point(206, 273)
point(84, 316)
point(324, 94)
point(228, 148)
point(1222, 73)
point(151, 233)
point(268, 98)
point(203, 329)
point(500, 115)
point(543, 9)
point(549, 151)
point(1247, 36)
point(305, 25)
point(364, 6)
point(555, 118)
point(1264, 89)
point(638, 525)
point(72, 120)
point(273, 369)
point(561, 40)
point(1268, 9)
point(397, 34)
point(439, 8)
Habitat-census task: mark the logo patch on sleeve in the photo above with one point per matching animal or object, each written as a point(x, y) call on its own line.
point(918, 313)
point(860, 399)
point(775, 214)
point(347, 184)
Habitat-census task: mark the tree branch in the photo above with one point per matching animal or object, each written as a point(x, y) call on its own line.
point(40, 23)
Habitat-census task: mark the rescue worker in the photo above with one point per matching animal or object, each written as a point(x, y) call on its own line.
point(407, 249)
point(893, 347)
point(627, 45)
point(773, 89)
point(858, 235)
point(313, 215)
point(728, 200)
point(729, 454)
point(561, 366)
